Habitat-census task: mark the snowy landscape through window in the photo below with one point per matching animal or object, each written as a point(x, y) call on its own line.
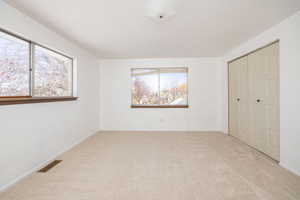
point(53, 73)
point(14, 66)
point(29, 70)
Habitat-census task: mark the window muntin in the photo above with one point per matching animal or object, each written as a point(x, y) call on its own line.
point(159, 87)
point(30, 70)
point(14, 66)
point(52, 73)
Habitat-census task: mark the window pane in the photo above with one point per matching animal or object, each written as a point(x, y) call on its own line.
point(14, 66)
point(145, 87)
point(173, 86)
point(53, 73)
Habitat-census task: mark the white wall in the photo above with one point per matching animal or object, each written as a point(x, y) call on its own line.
point(288, 32)
point(33, 133)
point(204, 89)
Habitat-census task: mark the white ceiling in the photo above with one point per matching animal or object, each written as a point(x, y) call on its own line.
point(119, 28)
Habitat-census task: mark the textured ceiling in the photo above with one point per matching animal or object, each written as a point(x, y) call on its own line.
point(119, 29)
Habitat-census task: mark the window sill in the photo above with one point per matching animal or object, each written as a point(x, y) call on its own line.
point(162, 106)
point(29, 100)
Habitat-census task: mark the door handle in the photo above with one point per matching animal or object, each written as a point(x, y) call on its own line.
point(238, 99)
point(258, 100)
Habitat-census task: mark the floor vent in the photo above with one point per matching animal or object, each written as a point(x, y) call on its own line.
point(49, 166)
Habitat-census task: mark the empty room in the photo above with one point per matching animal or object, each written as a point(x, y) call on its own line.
point(150, 100)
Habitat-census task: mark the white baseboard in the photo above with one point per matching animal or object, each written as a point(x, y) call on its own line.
point(165, 130)
point(39, 166)
point(289, 169)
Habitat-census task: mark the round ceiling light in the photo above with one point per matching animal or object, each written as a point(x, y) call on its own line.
point(160, 10)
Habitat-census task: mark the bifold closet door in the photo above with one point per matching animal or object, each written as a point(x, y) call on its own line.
point(263, 68)
point(238, 99)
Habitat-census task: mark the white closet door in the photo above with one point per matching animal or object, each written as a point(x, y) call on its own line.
point(238, 84)
point(233, 99)
point(243, 105)
point(263, 70)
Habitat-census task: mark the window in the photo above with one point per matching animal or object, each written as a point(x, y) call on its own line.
point(31, 71)
point(52, 74)
point(159, 87)
point(14, 66)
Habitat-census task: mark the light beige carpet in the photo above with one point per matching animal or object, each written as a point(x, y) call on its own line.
point(160, 166)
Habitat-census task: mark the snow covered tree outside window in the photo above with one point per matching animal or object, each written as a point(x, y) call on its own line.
point(14, 66)
point(31, 70)
point(159, 86)
point(53, 73)
point(145, 86)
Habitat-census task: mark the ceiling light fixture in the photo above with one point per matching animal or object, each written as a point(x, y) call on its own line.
point(160, 10)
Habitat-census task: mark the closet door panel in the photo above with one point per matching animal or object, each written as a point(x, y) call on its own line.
point(271, 55)
point(257, 113)
point(264, 100)
point(233, 99)
point(238, 84)
point(257, 118)
point(243, 111)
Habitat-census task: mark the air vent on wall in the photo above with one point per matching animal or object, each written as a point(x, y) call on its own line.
point(49, 166)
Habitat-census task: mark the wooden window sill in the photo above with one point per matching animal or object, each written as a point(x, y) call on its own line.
point(28, 100)
point(160, 106)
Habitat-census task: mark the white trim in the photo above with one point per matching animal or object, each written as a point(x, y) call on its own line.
point(162, 130)
point(39, 166)
point(297, 173)
point(203, 59)
point(75, 77)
